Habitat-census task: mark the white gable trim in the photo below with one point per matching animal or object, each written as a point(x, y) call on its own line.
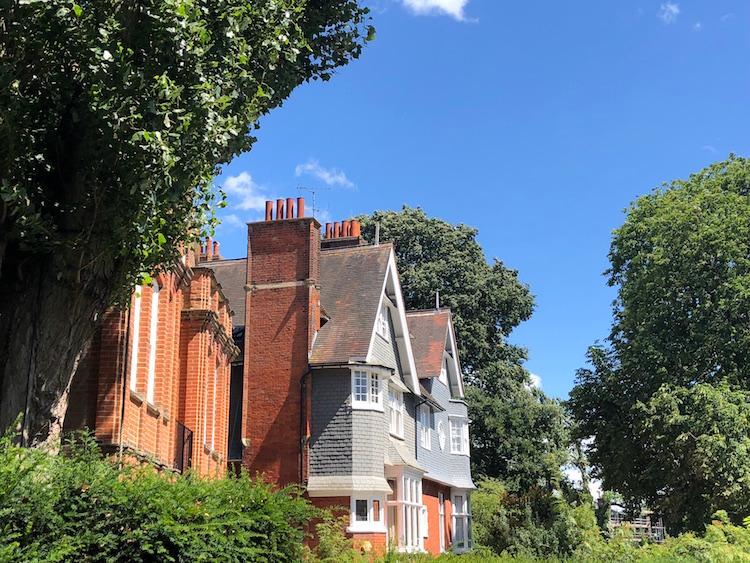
point(404, 341)
point(456, 364)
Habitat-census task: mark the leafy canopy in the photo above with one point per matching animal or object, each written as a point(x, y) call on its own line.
point(679, 351)
point(114, 116)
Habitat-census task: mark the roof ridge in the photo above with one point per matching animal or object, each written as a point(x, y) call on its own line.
point(415, 312)
point(209, 262)
point(345, 249)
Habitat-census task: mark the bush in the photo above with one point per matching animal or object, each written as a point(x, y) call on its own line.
point(80, 506)
point(535, 524)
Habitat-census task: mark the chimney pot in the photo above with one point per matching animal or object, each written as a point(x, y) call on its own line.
point(336, 229)
point(209, 249)
point(356, 228)
point(216, 250)
point(279, 209)
point(300, 207)
point(290, 208)
point(329, 230)
point(346, 228)
point(269, 210)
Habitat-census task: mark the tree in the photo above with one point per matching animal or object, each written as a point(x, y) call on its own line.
point(518, 434)
point(681, 263)
point(114, 117)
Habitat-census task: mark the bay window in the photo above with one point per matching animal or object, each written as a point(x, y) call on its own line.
point(367, 390)
point(461, 523)
point(366, 514)
point(459, 435)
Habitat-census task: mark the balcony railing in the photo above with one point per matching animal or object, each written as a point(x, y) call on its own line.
point(183, 448)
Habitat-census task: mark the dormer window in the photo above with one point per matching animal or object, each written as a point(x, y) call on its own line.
point(382, 326)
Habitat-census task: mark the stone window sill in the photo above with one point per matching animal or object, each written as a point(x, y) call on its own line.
point(136, 397)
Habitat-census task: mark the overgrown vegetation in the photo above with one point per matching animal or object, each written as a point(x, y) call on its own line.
point(81, 507)
point(666, 398)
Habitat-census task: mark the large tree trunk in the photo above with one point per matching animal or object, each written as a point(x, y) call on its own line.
point(45, 327)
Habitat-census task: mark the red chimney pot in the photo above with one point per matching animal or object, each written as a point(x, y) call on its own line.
point(356, 228)
point(290, 208)
point(329, 230)
point(269, 211)
point(300, 207)
point(336, 229)
point(279, 209)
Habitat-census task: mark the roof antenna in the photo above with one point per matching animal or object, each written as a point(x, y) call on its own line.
point(437, 300)
point(377, 234)
point(314, 192)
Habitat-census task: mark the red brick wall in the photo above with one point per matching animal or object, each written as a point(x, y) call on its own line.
point(193, 343)
point(430, 499)
point(281, 319)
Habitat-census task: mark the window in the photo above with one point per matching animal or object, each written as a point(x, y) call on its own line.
point(441, 520)
point(366, 390)
point(361, 511)
point(367, 514)
point(411, 513)
point(459, 436)
point(425, 429)
point(382, 325)
point(213, 410)
point(444, 371)
point(136, 339)
point(152, 341)
point(396, 404)
point(461, 523)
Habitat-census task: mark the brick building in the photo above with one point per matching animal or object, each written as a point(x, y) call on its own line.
point(154, 384)
point(341, 389)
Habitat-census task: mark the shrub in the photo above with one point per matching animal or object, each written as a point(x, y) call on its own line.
point(80, 506)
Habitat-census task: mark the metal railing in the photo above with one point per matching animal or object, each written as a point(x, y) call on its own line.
point(183, 448)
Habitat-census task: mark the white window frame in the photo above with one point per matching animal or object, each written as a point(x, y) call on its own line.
point(153, 341)
point(461, 511)
point(444, 370)
point(425, 429)
point(373, 391)
point(441, 520)
point(213, 410)
point(370, 525)
point(397, 412)
point(458, 435)
point(136, 339)
point(411, 513)
point(383, 326)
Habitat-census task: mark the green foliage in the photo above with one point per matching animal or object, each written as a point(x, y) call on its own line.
point(79, 506)
point(536, 524)
point(517, 433)
point(669, 385)
point(333, 546)
point(114, 116)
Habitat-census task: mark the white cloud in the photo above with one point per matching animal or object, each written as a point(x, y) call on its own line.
point(536, 381)
point(330, 176)
point(668, 12)
point(697, 26)
point(453, 8)
point(244, 193)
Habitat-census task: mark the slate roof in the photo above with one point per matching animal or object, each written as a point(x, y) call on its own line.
point(351, 282)
point(429, 330)
point(231, 275)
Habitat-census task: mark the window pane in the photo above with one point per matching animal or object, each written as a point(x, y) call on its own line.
point(374, 388)
point(360, 510)
point(360, 386)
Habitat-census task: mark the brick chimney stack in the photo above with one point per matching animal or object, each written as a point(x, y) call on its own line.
point(282, 315)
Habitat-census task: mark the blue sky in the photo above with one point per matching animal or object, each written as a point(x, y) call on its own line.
point(536, 122)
